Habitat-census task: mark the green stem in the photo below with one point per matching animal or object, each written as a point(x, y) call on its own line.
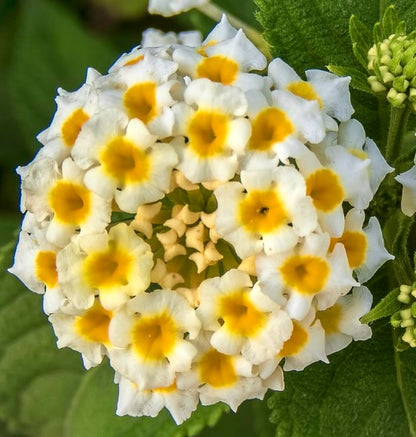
point(214, 12)
point(397, 128)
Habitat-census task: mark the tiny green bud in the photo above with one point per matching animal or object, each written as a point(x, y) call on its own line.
point(376, 86)
point(385, 59)
point(412, 97)
point(403, 297)
point(405, 288)
point(409, 70)
point(384, 47)
point(400, 84)
point(388, 77)
point(409, 338)
point(372, 52)
point(407, 323)
point(396, 99)
point(413, 309)
point(396, 320)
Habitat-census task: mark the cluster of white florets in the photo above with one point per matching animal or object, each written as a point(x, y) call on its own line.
point(200, 224)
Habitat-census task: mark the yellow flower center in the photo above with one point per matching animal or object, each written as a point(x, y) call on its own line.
point(306, 91)
point(240, 316)
point(125, 162)
point(262, 212)
point(72, 126)
point(154, 336)
point(93, 325)
point(269, 127)
point(108, 269)
point(324, 187)
point(140, 101)
point(218, 69)
point(207, 132)
point(70, 202)
point(170, 389)
point(305, 273)
point(330, 318)
point(296, 342)
point(355, 243)
point(217, 369)
point(45, 268)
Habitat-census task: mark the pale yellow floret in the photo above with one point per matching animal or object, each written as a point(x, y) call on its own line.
point(248, 265)
point(181, 181)
point(206, 257)
point(143, 220)
point(160, 275)
point(195, 237)
point(170, 244)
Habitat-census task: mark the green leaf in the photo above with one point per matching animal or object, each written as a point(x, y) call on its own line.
point(361, 38)
point(45, 392)
point(51, 49)
point(385, 308)
point(367, 390)
point(390, 21)
point(358, 78)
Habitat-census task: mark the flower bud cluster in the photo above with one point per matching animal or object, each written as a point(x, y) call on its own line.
point(405, 318)
point(200, 224)
point(392, 65)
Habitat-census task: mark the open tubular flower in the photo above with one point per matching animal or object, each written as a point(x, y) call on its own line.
point(200, 224)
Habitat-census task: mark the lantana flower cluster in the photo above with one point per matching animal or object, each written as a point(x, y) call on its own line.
point(200, 224)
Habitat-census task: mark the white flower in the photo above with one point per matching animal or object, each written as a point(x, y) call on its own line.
point(221, 377)
point(84, 331)
point(115, 266)
point(295, 277)
point(341, 322)
point(123, 160)
point(242, 317)
point(73, 110)
point(269, 210)
point(60, 197)
point(149, 334)
point(331, 92)
point(305, 346)
point(364, 247)
point(149, 402)
point(143, 91)
point(351, 135)
point(282, 128)
point(216, 132)
point(227, 62)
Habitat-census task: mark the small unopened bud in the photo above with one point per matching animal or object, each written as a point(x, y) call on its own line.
point(396, 320)
point(375, 85)
point(385, 59)
point(406, 314)
point(400, 84)
point(396, 99)
point(409, 69)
